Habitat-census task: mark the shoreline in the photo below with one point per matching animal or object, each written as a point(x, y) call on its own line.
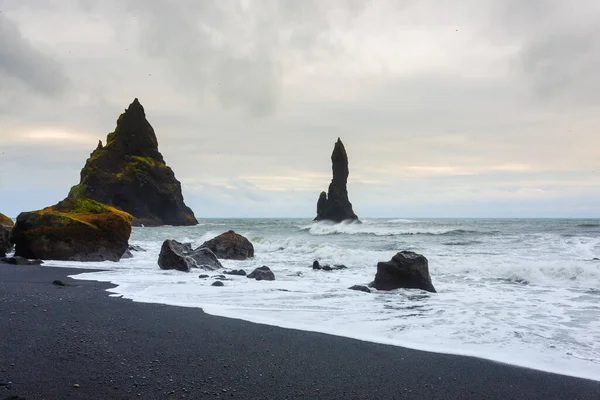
point(56, 337)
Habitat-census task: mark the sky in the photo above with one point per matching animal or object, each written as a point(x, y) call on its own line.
point(477, 108)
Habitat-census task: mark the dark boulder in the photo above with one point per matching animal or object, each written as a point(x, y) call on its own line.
point(263, 273)
point(217, 283)
point(133, 247)
point(407, 270)
point(175, 255)
point(72, 230)
point(203, 276)
point(360, 288)
point(335, 205)
point(230, 246)
point(327, 267)
point(239, 272)
point(220, 277)
point(6, 225)
point(17, 260)
point(130, 173)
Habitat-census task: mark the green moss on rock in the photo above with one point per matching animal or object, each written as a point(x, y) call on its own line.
point(129, 173)
point(77, 229)
point(5, 221)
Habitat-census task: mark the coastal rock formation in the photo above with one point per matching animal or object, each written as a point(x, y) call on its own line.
point(230, 246)
point(6, 225)
point(407, 270)
point(129, 173)
point(263, 273)
point(179, 256)
point(334, 205)
point(73, 230)
point(238, 272)
point(360, 288)
point(327, 267)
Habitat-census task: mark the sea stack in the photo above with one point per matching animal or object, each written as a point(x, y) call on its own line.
point(334, 205)
point(130, 174)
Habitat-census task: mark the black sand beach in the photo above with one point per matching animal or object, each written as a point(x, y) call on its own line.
point(75, 342)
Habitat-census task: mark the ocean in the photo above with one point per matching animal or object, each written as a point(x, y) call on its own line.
point(519, 291)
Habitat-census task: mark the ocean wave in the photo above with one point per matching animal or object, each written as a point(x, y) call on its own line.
point(381, 229)
point(463, 243)
point(588, 225)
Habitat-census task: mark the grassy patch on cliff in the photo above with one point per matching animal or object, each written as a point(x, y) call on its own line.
point(5, 221)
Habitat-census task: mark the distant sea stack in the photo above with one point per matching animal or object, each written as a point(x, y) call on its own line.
point(334, 205)
point(129, 173)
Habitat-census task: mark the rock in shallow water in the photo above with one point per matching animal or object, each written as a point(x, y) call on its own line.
point(263, 273)
point(179, 256)
point(230, 246)
point(239, 272)
point(334, 205)
point(407, 270)
point(360, 288)
point(217, 283)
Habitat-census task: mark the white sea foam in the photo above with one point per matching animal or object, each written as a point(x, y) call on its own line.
point(525, 295)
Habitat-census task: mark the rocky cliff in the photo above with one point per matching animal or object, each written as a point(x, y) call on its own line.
point(334, 205)
point(129, 173)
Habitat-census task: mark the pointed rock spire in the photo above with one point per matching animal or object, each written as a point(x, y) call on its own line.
point(130, 173)
point(334, 205)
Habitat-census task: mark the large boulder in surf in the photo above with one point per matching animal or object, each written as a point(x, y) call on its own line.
point(6, 225)
point(130, 173)
point(72, 230)
point(180, 256)
point(407, 270)
point(230, 246)
point(334, 205)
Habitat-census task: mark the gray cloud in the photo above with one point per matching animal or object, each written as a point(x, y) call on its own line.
point(445, 109)
point(21, 61)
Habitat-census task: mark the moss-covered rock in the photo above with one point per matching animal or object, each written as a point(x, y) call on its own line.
point(75, 229)
point(6, 225)
point(129, 173)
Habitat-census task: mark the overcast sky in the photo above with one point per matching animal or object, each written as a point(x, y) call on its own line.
point(472, 108)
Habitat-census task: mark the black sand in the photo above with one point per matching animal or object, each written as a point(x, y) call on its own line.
point(53, 338)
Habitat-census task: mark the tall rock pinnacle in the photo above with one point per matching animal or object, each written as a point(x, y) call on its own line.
point(130, 173)
point(334, 205)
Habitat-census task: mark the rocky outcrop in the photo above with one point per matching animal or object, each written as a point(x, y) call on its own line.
point(407, 270)
point(263, 273)
point(230, 246)
point(334, 205)
point(72, 230)
point(238, 272)
point(179, 256)
point(360, 288)
point(129, 173)
point(6, 225)
point(327, 267)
